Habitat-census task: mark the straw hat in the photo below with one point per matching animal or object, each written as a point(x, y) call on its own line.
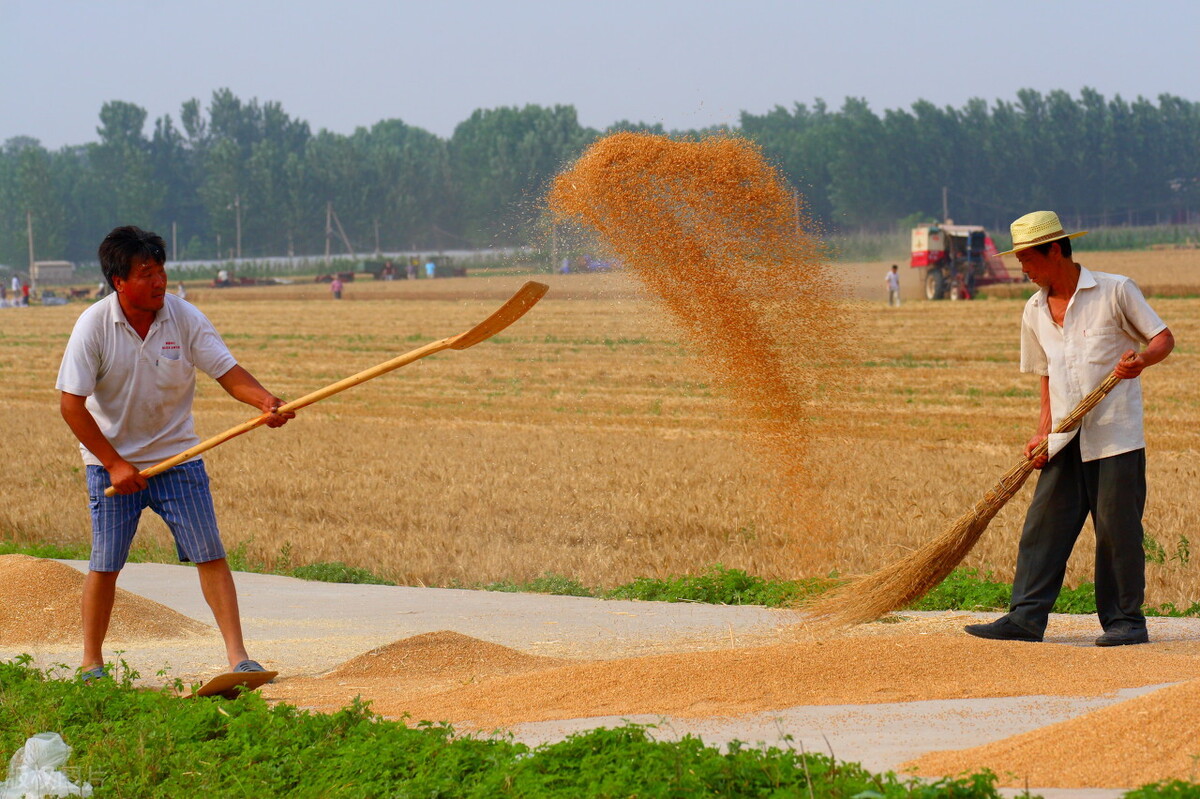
point(1037, 228)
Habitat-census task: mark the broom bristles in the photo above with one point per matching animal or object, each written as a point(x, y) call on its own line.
point(900, 584)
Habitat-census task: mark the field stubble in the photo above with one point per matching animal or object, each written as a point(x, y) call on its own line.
point(587, 441)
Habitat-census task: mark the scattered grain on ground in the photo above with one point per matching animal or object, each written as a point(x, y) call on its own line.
point(39, 605)
point(1142, 740)
point(732, 682)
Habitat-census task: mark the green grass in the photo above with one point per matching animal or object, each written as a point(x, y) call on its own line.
point(58, 551)
point(337, 572)
point(715, 586)
point(548, 583)
point(137, 743)
point(720, 586)
point(967, 589)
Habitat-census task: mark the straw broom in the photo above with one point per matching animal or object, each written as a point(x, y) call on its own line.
point(867, 598)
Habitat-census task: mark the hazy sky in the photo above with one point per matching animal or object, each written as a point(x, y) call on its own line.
point(340, 64)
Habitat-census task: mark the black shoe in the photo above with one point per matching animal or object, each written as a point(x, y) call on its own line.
point(1123, 638)
point(1001, 630)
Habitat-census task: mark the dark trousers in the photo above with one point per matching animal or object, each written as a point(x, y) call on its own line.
point(1113, 491)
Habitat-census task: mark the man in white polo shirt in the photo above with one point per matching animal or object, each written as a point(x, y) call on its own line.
point(127, 380)
point(1074, 332)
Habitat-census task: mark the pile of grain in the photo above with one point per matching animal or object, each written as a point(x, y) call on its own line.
point(1150, 738)
point(720, 240)
point(850, 670)
point(439, 655)
point(39, 605)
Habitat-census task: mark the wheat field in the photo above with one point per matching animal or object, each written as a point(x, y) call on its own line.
point(586, 440)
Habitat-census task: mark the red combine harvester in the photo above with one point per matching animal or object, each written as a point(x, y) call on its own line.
point(957, 260)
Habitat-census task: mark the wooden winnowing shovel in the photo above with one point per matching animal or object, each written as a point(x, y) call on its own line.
point(898, 585)
point(511, 311)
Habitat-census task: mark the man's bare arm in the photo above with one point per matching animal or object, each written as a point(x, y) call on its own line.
point(243, 386)
point(1045, 424)
point(1133, 363)
point(122, 474)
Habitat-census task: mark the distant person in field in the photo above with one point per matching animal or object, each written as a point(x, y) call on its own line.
point(1074, 331)
point(893, 283)
point(335, 287)
point(411, 274)
point(430, 269)
point(127, 380)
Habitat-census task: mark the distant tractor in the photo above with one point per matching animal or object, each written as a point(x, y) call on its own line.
point(957, 260)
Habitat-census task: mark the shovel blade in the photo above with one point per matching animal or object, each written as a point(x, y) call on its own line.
point(516, 307)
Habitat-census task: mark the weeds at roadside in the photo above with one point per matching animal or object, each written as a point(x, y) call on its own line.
point(548, 583)
point(967, 589)
point(134, 742)
point(720, 586)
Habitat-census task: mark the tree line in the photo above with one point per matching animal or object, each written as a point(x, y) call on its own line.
point(245, 173)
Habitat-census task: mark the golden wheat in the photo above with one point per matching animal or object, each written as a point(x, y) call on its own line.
point(587, 440)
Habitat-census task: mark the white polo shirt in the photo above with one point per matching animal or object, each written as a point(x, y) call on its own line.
point(140, 391)
point(1105, 317)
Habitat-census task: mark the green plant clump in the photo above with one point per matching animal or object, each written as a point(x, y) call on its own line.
point(967, 589)
point(138, 743)
point(548, 583)
point(337, 572)
point(720, 586)
point(56, 551)
point(1167, 789)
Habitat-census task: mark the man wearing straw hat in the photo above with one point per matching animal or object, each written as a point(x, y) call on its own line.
point(1074, 331)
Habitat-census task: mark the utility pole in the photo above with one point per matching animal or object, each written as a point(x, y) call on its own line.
point(174, 244)
point(29, 231)
point(237, 209)
point(328, 232)
point(377, 252)
point(945, 206)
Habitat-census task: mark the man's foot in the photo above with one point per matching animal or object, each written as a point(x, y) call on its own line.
point(1002, 629)
point(1123, 638)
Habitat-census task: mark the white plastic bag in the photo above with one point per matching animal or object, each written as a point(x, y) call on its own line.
point(33, 772)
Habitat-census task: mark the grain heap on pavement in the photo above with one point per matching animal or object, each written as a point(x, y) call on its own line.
point(731, 682)
point(1142, 740)
point(424, 664)
point(443, 654)
point(716, 235)
point(39, 605)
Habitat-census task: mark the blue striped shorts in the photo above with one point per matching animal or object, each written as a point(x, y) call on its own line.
point(179, 495)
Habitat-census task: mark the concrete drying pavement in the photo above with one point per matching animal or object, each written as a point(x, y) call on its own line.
point(306, 628)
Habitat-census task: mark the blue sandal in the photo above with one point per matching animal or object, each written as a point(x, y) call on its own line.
point(89, 676)
point(248, 667)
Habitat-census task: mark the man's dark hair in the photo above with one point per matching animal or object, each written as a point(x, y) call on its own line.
point(1064, 246)
point(125, 245)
